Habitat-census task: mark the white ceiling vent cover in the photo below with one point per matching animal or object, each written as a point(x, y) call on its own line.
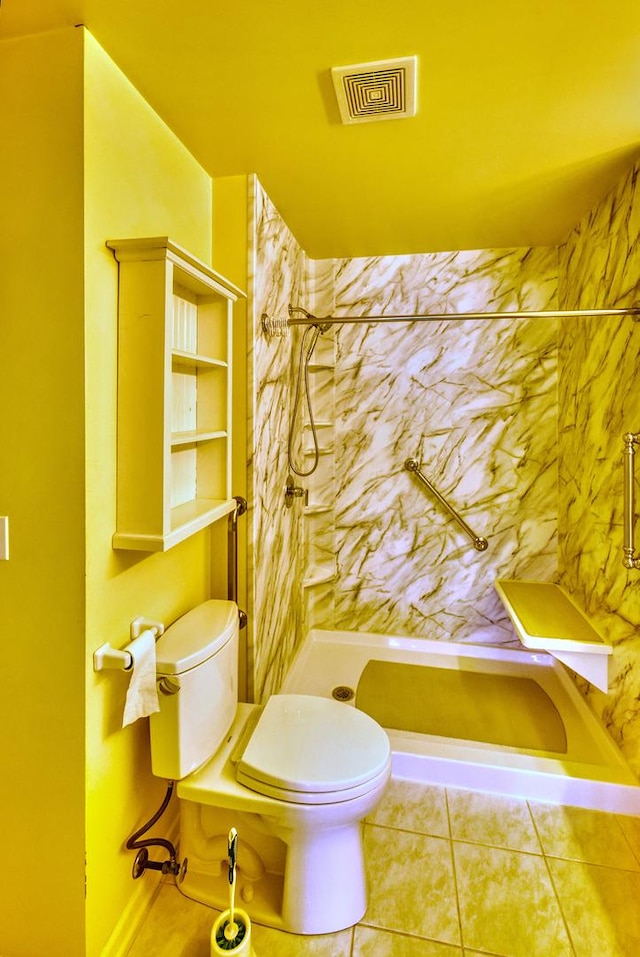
point(385, 90)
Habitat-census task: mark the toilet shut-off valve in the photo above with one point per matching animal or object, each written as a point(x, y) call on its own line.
point(142, 863)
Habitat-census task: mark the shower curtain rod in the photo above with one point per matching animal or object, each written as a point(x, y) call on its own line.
point(300, 317)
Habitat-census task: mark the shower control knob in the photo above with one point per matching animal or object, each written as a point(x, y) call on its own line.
point(293, 491)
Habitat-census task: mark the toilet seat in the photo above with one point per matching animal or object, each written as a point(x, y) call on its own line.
point(311, 750)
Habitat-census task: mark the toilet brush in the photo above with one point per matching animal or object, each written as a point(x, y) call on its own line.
point(231, 933)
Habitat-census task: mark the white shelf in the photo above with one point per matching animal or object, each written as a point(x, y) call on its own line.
point(174, 394)
point(193, 437)
point(186, 520)
point(547, 619)
point(195, 361)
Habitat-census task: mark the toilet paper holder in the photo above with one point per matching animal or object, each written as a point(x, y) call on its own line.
point(107, 658)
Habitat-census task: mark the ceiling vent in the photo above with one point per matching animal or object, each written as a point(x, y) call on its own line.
point(385, 90)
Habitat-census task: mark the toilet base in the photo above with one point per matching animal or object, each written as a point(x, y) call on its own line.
point(321, 890)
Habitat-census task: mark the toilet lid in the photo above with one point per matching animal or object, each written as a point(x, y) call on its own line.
point(305, 745)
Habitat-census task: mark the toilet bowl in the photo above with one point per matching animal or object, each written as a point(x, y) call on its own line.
point(295, 777)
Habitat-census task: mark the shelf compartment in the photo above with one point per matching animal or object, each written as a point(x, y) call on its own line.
point(194, 437)
point(196, 361)
point(547, 619)
point(186, 520)
point(174, 394)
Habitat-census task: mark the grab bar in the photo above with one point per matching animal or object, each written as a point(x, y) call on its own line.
point(630, 560)
point(480, 544)
point(232, 556)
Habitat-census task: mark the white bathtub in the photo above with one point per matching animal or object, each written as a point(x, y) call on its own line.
point(592, 773)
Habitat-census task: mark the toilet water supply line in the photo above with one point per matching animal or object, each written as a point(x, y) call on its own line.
point(142, 862)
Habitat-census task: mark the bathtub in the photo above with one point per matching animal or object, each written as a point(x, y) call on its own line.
point(585, 769)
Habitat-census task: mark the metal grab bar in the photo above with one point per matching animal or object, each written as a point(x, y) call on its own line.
point(630, 560)
point(232, 555)
point(480, 544)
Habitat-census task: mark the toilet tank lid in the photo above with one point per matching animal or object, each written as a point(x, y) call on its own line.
point(196, 636)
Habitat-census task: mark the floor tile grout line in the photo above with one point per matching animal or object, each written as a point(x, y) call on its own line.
point(553, 883)
point(626, 839)
point(555, 889)
point(599, 864)
point(583, 860)
point(453, 868)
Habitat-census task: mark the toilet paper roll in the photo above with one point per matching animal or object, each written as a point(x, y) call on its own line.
point(142, 694)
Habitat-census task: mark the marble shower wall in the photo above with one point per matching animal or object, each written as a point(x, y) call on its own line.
point(519, 422)
point(276, 566)
point(599, 402)
point(476, 402)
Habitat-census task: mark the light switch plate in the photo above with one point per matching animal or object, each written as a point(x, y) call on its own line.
point(4, 538)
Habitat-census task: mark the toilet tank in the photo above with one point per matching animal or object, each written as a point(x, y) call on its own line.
point(197, 656)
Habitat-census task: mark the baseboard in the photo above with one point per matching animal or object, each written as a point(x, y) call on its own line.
point(133, 916)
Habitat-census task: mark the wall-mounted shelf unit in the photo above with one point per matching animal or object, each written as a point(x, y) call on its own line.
point(174, 394)
point(547, 619)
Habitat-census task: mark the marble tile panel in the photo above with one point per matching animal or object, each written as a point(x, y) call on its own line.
point(600, 905)
point(579, 834)
point(276, 550)
point(370, 942)
point(413, 807)
point(599, 395)
point(404, 871)
point(507, 903)
point(475, 401)
point(491, 819)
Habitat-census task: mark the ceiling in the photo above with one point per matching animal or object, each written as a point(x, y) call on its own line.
point(527, 112)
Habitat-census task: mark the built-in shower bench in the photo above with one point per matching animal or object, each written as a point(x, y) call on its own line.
point(547, 619)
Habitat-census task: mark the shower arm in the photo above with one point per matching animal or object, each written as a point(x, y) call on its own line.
point(480, 544)
point(272, 326)
point(630, 559)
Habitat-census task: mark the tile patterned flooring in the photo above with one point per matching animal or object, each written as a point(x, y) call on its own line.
point(456, 873)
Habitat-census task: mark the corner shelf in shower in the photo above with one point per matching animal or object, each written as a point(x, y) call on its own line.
point(317, 509)
point(321, 367)
point(547, 619)
point(174, 394)
point(322, 450)
point(319, 575)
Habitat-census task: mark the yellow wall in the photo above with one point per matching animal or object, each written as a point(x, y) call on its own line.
point(231, 258)
point(42, 492)
point(140, 181)
point(84, 159)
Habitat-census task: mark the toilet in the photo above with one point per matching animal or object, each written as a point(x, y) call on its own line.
point(295, 777)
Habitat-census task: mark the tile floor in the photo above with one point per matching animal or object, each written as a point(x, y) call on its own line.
point(456, 873)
